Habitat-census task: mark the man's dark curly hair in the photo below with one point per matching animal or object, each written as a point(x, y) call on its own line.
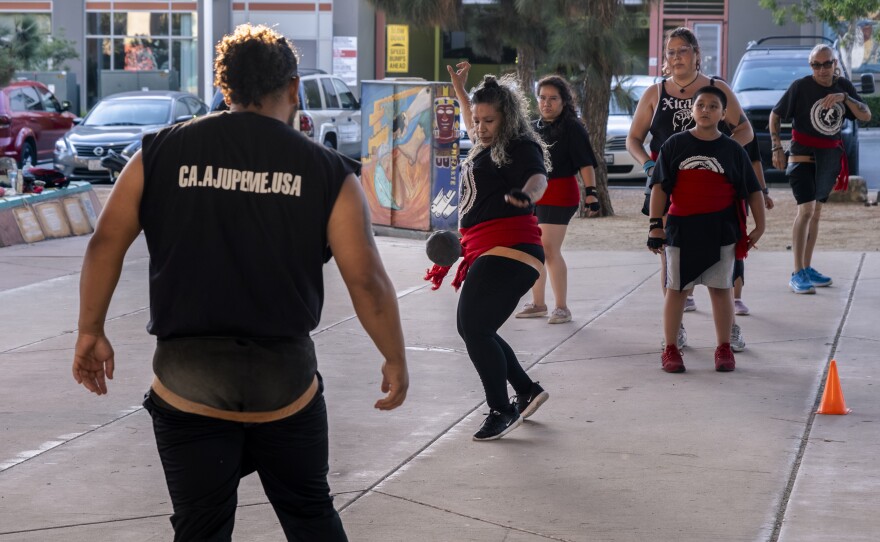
point(253, 62)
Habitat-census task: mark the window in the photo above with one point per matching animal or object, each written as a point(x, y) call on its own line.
point(49, 102)
point(30, 100)
point(313, 94)
point(330, 93)
point(195, 107)
point(181, 109)
point(17, 100)
point(129, 113)
point(141, 40)
point(346, 98)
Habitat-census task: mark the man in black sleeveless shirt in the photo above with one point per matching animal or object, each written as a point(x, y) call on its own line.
point(240, 212)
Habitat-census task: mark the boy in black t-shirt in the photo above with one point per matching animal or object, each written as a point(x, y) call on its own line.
point(708, 176)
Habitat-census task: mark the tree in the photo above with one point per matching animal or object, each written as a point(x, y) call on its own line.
point(23, 47)
point(512, 26)
point(588, 43)
point(586, 40)
point(842, 15)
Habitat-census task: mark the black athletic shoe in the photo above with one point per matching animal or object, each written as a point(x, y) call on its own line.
point(528, 404)
point(498, 424)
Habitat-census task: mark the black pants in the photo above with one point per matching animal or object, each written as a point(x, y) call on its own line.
point(490, 294)
point(204, 459)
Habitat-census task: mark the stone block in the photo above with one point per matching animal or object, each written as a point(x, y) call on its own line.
point(856, 192)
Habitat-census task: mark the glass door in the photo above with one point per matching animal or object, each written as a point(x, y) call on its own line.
point(708, 35)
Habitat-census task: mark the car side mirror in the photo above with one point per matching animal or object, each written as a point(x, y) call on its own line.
point(867, 83)
point(65, 106)
point(183, 118)
point(77, 120)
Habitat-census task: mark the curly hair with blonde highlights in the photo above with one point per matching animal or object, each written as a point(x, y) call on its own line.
point(507, 97)
point(252, 63)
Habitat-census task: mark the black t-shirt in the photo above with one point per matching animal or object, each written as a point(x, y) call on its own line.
point(235, 210)
point(723, 155)
point(570, 148)
point(483, 184)
point(802, 104)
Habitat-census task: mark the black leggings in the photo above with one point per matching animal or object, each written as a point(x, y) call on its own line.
point(490, 294)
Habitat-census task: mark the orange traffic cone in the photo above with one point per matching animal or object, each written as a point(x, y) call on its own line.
point(832, 397)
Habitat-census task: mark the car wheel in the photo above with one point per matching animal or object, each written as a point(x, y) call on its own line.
point(28, 155)
point(330, 143)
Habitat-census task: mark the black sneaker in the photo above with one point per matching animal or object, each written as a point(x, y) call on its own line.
point(528, 404)
point(498, 424)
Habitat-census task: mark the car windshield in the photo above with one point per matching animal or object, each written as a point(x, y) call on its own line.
point(129, 113)
point(769, 74)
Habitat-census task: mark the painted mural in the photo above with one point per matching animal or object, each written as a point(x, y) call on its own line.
point(409, 154)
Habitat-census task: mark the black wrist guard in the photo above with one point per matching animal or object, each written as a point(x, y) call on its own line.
point(520, 195)
point(655, 223)
point(590, 191)
point(656, 242)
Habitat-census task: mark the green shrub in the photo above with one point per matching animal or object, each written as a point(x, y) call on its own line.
point(873, 102)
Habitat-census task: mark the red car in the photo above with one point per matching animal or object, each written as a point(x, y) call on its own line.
point(31, 121)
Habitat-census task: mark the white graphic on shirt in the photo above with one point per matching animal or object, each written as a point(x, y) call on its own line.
point(257, 182)
point(683, 118)
point(702, 162)
point(468, 189)
point(826, 121)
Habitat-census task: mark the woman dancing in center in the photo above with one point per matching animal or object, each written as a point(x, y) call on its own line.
point(505, 171)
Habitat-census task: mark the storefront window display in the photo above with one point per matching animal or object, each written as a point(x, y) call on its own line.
point(138, 41)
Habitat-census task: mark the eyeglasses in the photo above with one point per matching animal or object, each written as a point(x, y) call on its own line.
point(681, 51)
point(822, 65)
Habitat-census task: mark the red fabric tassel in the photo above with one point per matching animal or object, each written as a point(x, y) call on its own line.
point(500, 232)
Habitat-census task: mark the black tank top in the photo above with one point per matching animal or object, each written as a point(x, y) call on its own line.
point(235, 209)
point(673, 115)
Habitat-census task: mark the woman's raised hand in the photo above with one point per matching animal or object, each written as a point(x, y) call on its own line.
point(459, 75)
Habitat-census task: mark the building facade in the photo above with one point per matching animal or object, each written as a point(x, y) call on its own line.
point(174, 40)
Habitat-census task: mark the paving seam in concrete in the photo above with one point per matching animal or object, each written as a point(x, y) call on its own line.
point(481, 520)
point(63, 442)
point(538, 359)
point(53, 337)
point(789, 487)
point(86, 524)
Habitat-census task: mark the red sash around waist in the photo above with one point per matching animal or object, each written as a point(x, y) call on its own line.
point(561, 192)
point(500, 232)
point(823, 143)
point(699, 191)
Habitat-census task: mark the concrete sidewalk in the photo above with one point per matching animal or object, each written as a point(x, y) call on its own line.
point(621, 452)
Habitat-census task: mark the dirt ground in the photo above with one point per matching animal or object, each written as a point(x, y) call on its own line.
point(844, 226)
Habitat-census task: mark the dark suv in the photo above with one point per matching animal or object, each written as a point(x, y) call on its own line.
point(765, 72)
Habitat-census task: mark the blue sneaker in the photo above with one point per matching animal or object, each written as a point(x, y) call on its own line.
point(818, 279)
point(800, 283)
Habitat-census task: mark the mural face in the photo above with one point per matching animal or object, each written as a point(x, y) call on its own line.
point(410, 154)
point(446, 116)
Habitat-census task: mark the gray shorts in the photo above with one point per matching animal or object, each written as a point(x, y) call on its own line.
point(720, 275)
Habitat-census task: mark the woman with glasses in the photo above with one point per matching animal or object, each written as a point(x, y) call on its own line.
point(570, 153)
point(817, 106)
point(665, 109)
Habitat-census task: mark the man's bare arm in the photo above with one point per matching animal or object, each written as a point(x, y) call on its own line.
point(371, 291)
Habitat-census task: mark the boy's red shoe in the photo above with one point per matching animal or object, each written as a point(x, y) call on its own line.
point(671, 358)
point(724, 361)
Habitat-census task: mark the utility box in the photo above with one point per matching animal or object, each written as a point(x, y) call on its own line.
point(115, 81)
point(410, 153)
